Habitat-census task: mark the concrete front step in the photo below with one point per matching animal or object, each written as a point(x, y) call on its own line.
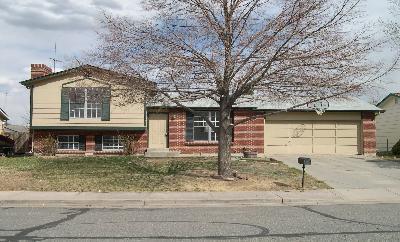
point(163, 152)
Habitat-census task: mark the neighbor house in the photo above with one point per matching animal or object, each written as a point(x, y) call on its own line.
point(3, 121)
point(63, 107)
point(388, 123)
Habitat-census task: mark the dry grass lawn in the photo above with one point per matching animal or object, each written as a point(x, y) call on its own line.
point(140, 174)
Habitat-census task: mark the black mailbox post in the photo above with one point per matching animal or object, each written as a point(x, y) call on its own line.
point(304, 161)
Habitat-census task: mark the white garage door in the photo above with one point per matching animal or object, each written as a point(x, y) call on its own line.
point(306, 137)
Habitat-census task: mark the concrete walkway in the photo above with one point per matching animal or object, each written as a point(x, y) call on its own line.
point(197, 199)
point(346, 172)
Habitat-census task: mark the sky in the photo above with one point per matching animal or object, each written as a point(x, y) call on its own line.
point(29, 29)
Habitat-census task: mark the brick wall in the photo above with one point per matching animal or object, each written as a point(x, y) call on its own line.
point(40, 136)
point(247, 135)
point(368, 133)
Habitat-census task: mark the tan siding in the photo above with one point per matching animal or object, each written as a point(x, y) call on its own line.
point(388, 124)
point(47, 103)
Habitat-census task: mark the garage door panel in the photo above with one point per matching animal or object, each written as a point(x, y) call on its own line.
point(301, 141)
point(298, 133)
point(324, 133)
point(324, 125)
point(324, 149)
point(325, 141)
point(348, 150)
point(297, 125)
point(346, 141)
point(277, 141)
point(346, 125)
point(347, 133)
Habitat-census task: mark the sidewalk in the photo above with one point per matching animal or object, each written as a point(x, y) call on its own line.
point(197, 199)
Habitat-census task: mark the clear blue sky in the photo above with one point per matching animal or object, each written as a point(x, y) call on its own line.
point(29, 29)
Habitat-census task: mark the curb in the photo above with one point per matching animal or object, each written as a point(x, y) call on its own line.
point(179, 203)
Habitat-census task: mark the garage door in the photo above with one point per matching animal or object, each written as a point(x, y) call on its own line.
point(306, 137)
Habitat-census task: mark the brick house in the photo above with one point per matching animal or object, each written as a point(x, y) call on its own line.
point(82, 125)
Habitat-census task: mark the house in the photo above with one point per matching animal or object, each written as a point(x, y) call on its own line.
point(21, 137)
point(82, 125)
point(387, 123)
point(3, 121)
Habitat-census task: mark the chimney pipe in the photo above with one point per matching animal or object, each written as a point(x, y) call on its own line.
point(39, 70)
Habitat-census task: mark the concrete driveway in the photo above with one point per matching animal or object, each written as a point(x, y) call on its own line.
point(344, 172)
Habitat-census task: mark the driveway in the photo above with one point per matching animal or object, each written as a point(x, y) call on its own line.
point(346, 172)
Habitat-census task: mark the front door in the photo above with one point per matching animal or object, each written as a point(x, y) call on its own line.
point(158, 133)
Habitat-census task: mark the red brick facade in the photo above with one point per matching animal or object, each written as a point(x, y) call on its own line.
point(249, 135)
point(40, 136)
point(368, 133)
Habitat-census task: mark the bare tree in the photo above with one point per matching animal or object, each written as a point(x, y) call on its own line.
point(393, 27)
point(233, 51)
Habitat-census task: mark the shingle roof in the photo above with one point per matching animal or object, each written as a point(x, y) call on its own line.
point(348, 104)
point(32, 81)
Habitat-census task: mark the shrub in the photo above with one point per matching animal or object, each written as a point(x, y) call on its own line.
point(49, 146)
point(396, 148)
point(129, 142)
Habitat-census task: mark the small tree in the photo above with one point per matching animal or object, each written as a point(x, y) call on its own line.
point(396, 148)
point(295, 51)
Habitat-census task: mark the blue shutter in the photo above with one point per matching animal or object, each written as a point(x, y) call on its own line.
point(98, 143)
point(64, 112)
point(82, 142)
point(105, 109)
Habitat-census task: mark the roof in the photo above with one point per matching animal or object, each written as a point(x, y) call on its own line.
point(16, 128)
point(30, 82)
point(344, 104)
point(388, 96)
point(3, 115)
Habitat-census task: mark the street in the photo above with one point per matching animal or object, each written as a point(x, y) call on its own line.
point(374, 222)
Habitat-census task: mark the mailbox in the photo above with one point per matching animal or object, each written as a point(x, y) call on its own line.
point(304, 161)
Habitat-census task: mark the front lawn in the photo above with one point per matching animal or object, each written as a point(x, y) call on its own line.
point(124, 173)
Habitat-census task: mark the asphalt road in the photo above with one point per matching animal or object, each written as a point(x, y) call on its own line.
point(304, 223)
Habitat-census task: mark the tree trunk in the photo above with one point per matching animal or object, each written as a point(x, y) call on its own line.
point(225, 140)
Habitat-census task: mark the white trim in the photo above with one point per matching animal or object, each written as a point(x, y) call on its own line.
point(118, 145)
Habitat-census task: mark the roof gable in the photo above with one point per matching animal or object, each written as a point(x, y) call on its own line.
point(387, 97)
point(31, 82)
point(3, 115)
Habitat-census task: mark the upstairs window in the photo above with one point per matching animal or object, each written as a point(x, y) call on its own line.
point(85, 102)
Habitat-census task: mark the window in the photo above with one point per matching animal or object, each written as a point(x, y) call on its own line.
point(111, 143)
point(68, 142)
point(201, 130)
point(85, 102)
